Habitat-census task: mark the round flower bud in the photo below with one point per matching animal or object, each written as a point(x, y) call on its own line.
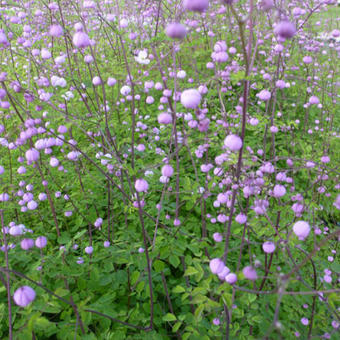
point(216, 265)
point(41, 242)
point(164, 118)
point(54, 162)
point(266, 5)
point(268, 247)
point(32, 205)
point(23, 296)
point(56, 31)
point(279, 190)
point(141, 185)
point(314, 100)
point(190, 99)
point(264, 95)
point(195, 5)
point(222, 274)
point(89, 250)
point(176, 30)
point(230, 278)
point(285, 30)
point(233, 142)
point(125, 90)
point(216, 321)
point(26, 243)
point(307, 59)
point(241, 218)
point(32, 155)
point(167, 170)
point(250, 273)
point(301, 229)
point(305, 321)
point(81, 40)
point(111, 81)
point(217, 237)
point(96, 81)
point(15, 231)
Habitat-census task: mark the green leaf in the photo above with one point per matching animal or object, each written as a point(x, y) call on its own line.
point(140, 286)
point(61, 292)
point(199, 310)
point(257, 318)
point(335, 266)
point(174, 260)
point(227, 299)
point(186, 336)
point(159, 266)
point(134, 277)
point(178, 289)
point(169, 317)
point(80, 234)
point(64, 238)
point(176, 326)
point(190, 271)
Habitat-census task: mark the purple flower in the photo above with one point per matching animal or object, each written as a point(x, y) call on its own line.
point(233, 142)
point(98, 222)
point(305, 321)
point(241, 218)
point(164, 118)
point(314, 100)
point(191, 98)
point(268, 247)
point(81, 40)
point(217, 237)
point(89, 250)
point(216, 265)
point(32, 155)
point(56, 31)
point(167, 170)
point(3, 38)
point(15, 231)
point(264, 95)
point(285, 30)
point(42, 196)
point(4, 197)
point(111, 81)
point(80, 260)
point(222, 274)
point(23, 296)
point(301, 229)
point(231, 278)
point(307, 59)
point(32, 205)
point(96, 81)
point(337, 202)
point(41, 242)
point(216, 321)
point(54, 162)
point(249, 273)
point(196, 5)
point(26, 243)
point(279, 190)
point(141, 185)
point(176, 30)
point(266, 5)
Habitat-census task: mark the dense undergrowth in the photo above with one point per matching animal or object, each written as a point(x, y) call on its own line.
point(210, 214)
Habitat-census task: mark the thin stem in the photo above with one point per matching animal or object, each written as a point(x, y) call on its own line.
point(8, 287)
